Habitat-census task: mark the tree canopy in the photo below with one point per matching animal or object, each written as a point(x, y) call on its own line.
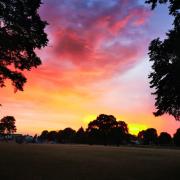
point(148, 136)
point(7, 125)
point(165, 56)
point(164, 138)
point(177, 137)
point(21, 32)
point(105, 129)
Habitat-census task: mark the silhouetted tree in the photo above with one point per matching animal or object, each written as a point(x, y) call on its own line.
point(94, 136)
point(176, 137)
point(21, 32)
point(103, 122)
point(35, 139)
point(100, 128)
point(123, 126)
point(66, 136)
point(2, 128)
point(106, 130)
point(80, 132)
point(80, 136)
point(164, 139)
point(165, 56)
point(173, 5)
point(7, 125)
point(132, 139)
point(52, 136)
point(119, 133)
point(148, 136)
point(44, 135)
point(141, 136)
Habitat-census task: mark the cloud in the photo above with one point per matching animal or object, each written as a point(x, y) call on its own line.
point(91, 40)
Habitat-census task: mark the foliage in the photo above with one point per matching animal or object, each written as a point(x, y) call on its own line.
point(66, 136)
point(2, 128)
point(164, 139)
point(148, 136)
point(165, 56)
point(44, 135)
point(80, 136)
point(21, 32)
point(52, 136)
point(7, 125)
point(106, 130)
point(174, 5)
point(176, 137)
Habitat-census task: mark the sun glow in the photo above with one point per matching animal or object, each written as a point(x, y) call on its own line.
point(136, 128)
point(133, 128)
point(89, 118)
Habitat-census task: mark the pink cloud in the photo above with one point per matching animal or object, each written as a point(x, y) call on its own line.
point(91, 40)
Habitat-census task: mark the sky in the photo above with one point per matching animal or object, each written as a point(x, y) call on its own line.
point(96, 62)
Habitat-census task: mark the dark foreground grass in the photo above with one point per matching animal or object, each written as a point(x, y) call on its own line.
point(81, 162)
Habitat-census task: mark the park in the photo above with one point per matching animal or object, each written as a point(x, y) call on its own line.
point(76, 162)
point(90, 90)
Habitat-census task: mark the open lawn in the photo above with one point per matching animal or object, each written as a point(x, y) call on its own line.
point(64, 162)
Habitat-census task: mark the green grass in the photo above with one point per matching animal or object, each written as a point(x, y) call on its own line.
point(76, 162)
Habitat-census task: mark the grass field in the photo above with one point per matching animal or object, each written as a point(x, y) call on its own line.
point(64, 162)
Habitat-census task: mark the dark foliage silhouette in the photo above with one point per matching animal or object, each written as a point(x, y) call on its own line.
point(165, 56)
point(2, 128)
point(164, 139)
point(148, 136)
point(21, 32)
point(44, 135)
point(67, 135)
point(52, 136)
point(119, 133)
point(176, 137)
point(99, 129)
point(81, 136)
point(7, 125)
point(19, 139)
point(106, 130)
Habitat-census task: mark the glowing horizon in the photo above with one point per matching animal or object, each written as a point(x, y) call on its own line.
point(96, 63)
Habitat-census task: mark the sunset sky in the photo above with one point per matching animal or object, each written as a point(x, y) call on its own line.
point(96, 62)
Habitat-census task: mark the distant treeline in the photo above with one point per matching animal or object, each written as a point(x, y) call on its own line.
point(106, 130)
